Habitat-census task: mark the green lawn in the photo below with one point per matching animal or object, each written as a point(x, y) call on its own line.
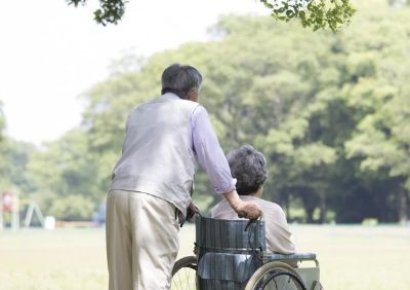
point(351, 257)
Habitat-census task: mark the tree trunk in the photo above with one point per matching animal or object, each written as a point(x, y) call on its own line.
point(323, 209)
point(309, 214)
point(402, 206)
point(310, 201)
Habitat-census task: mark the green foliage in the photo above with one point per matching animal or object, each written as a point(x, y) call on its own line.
point(304, 99)
point(379, 96)
point(64, 168)
point(14, 157)
point(330, 112)
point(72, 207)
point(317, 14)
point(110, 11)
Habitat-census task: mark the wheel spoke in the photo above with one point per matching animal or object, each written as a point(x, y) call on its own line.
point(184, 274)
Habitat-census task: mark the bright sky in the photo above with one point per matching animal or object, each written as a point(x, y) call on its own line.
point(51, 53)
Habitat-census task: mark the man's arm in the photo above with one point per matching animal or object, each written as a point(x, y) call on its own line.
point(212, 159)
point(249, 209)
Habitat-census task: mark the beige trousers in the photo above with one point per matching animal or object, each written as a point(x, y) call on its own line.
point(142, 241)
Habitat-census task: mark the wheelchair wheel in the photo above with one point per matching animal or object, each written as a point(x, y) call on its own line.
point(184, 274)
point(275, 276)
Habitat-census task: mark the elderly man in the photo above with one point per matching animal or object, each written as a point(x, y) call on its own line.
point(248, 166)
point(152, 182)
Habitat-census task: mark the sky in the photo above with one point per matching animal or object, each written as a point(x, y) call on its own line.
point(51, 53)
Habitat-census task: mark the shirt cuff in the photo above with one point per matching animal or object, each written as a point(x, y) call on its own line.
point(227, 187)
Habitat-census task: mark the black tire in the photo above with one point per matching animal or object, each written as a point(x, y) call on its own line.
point(184, 274)
point(275, 276)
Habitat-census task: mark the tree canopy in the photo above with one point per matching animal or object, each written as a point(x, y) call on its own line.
point(314, 103)
point(331, 112)
point(317, 14)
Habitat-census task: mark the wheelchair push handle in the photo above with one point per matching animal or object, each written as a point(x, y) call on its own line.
point(250, 222)
point(242, 214)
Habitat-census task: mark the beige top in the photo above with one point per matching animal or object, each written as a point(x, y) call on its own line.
point(278, 235)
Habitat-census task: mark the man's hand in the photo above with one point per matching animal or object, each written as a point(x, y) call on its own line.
point(191, 211)
point(245, 209)
point(249, 210)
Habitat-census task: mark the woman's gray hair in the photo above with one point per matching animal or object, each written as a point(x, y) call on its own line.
point(180, 79)
point(248, 166)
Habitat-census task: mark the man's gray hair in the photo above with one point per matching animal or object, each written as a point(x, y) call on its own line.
point(180, 79)
point(248, 166)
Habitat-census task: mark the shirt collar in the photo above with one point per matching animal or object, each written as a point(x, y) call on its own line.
point(169, 96)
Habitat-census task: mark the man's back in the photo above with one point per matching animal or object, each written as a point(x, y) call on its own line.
point(157, 153)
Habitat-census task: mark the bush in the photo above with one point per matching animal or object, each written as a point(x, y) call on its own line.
point(72, 208)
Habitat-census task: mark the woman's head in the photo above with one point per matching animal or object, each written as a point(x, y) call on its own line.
point(248, 166)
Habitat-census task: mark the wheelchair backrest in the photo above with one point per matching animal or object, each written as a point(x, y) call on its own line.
point(218, 235)
point(227, 252)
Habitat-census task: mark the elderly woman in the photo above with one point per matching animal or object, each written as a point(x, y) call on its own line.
point(248, 166)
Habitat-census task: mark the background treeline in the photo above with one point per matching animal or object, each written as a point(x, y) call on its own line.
point(331, 112)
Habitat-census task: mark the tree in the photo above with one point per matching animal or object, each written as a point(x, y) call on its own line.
point(110, 11)
point(63, 169)
point(317, 14)
point(300, 97)
point(330, 112)
point(15, 157)
point(74, 207)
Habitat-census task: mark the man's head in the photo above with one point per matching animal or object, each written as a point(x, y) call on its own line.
point(182, 80)
point(248, 166)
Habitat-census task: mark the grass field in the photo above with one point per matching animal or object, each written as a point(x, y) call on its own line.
point(351, 257)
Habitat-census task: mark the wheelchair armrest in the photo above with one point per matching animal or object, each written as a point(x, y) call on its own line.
point(287, 257)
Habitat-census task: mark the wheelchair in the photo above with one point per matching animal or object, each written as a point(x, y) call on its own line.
point(232, 255)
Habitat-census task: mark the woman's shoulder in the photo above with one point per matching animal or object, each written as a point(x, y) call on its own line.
point(268, 205)
point(220, 208)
